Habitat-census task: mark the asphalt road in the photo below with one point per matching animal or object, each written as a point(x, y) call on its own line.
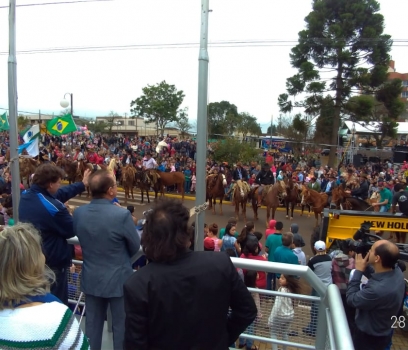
point(306, 224)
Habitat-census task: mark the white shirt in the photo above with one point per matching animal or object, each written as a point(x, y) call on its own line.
point(150, 164)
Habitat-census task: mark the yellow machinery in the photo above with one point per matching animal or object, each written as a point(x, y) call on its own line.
point(343, 224)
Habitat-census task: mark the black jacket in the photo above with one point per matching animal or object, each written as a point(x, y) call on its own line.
point(265, 178)
point(170, 306)
point(244, 174)
point(362, 191)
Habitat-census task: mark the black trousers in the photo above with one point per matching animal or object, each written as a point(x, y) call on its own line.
point(364, 341)
point(60, 287)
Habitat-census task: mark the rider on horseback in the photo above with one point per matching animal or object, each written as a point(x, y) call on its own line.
point(264, 177)
point(362, 191)
point(149, 164)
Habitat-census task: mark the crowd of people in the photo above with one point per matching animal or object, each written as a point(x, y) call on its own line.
point(158, 306)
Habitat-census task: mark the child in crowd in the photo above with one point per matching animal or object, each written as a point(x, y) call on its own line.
point(282, 313)
point(298, 250)
point(250, 278)
point(233, 221)
point(229, 241)
point(271, 230)
point(321, 265)
point(251, 251)
point(248, 230)
point(193, 182)
point(212, 242)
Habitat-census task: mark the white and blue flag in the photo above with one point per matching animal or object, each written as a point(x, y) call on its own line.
point(32, 133)
point(32, 147)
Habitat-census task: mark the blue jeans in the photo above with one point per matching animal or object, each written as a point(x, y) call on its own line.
point(271, 281)
point(313, 314)
point(383, 209)
point(187, 186)
point(249, 342)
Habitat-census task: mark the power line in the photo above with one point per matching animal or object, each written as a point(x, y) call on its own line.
point(55, 3)
point(187, 45)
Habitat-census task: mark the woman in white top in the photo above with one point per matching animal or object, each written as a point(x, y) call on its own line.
point(31, 317)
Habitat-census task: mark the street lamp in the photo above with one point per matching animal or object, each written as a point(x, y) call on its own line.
point(64, 103)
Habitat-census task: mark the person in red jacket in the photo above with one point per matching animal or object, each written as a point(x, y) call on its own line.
point(92, 157)
point(251, 251)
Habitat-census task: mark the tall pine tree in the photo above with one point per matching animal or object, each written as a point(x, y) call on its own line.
point(344, 42)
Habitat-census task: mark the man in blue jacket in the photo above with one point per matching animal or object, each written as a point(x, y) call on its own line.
point(43, 206)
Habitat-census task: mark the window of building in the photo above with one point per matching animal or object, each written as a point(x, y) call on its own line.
point(405, 83)
point(404, 94)
point(131, 122)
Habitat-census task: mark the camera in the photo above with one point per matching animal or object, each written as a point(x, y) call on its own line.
point(361, 243)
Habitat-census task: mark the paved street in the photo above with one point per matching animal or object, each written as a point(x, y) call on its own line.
point(305, 224)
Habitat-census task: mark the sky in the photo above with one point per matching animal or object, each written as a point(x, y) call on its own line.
point(240, 70)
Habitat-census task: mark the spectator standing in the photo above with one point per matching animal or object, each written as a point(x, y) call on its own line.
point(108, 239)
point(272, 242)
point(31, 317)
point(298, 251)
point(271, 229)
point(187, 179)
point(294, 228)
point(42, 206)
point(229, 240)
point(282, 313)
point(284, 254)
point(321, 265)
point(385, 198)
point(163, 299)
point(379, 303)
point(252, 252)
point(231, 220)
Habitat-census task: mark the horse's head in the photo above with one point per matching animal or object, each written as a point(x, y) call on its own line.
point(224, 179)
point(138, 174)
point(305, 194)
point(281, 188)
point(336, 197)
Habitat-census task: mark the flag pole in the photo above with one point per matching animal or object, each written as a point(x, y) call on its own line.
point(12, 95)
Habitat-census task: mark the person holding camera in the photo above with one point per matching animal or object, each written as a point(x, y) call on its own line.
point(379, 301)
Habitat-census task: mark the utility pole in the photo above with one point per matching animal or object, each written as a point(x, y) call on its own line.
point(270, 145)
point(202, 116)
point(12, 96)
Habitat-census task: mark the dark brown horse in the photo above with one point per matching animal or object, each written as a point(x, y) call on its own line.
point(270, 198)
point(143, 184)
point(128, 180)
point(343, 200)
point(70, 167)
point(292, 196)
point(315, 200)
point(215, 185)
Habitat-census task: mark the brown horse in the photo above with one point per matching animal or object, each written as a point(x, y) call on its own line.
point(315, 200)
point(292, 196)
point(27, 168)
point(128, 180)
point(170, 179)
point(215, 185)
point(240, 198)
point(270, 198)
point(70, 167)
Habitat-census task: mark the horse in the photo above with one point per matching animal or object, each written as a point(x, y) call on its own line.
point(128, 180)
point(27, 168)
point(70, 167)
point(239, 198)
point(292, 196)
point(270, 197)
point(315, 200)
point(144, 186)
point(169, 179)
point(215, 184)
point(342, 200)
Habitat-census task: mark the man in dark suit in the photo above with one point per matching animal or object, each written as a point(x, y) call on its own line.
point(170, 301)
point(108, 239)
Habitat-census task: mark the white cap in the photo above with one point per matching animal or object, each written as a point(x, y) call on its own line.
point(320, 246)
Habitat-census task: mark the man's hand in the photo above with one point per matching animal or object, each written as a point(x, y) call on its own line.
point(87, 173)
point(361, 263)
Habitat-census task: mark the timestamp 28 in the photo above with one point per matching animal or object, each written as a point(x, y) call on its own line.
point(398, 322)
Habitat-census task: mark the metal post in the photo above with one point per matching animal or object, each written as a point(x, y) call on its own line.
point(202, 115)
point(270, 145)
point(72, 116)
point(12, 94)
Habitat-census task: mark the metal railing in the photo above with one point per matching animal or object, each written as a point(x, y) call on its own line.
point(329, 319)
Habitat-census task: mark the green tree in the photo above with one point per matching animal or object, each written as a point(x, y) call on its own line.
point(22, 122)
point(232, 151)
point(222, 118)
point(247, 124)
point(158, 104)
point(183, 123)
point(344, 40)
point(274, 130)
point(379, 113)
point(110, 120)
point(324, 122)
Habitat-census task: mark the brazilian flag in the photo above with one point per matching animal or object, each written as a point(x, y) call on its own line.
point(61, 125)
point(4, 124)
